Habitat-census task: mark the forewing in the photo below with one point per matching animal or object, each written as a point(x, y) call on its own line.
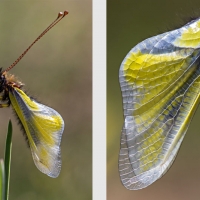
point(160, 84)
point(44, 127)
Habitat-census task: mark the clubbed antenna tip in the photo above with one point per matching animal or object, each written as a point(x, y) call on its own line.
point(62, 14)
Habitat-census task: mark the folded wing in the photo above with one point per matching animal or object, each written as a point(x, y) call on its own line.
point(44, 128)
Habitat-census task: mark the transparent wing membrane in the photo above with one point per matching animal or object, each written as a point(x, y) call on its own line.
point(160, 85)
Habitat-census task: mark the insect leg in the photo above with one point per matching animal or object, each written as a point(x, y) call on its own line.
point(5, 102)
point(4, 105)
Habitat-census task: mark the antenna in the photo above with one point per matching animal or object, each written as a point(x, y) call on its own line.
point(60, 16)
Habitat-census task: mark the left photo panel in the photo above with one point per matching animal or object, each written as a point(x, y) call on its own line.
point(46, 100)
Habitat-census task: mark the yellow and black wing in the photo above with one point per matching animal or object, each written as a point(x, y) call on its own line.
point(160, 84)
point(44, 127)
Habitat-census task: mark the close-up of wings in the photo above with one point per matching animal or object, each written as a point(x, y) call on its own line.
point(160, 85)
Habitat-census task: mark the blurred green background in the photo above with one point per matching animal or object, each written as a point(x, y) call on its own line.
point(58, 72)
point(128, 23)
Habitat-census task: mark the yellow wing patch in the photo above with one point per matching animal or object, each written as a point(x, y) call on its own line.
point(44, 128)
point(160, 83)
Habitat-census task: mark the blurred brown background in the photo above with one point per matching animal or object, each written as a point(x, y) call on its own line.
point(58, 72)
point(128, 23)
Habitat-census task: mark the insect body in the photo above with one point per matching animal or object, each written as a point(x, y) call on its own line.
point(43, 126)
point(160, 83)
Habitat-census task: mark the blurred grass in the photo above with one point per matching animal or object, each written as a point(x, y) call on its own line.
point(2, 180)
point(7, 159)
point(128, 23)
point(57, 72)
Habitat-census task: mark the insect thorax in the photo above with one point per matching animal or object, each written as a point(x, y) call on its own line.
point(7, 83)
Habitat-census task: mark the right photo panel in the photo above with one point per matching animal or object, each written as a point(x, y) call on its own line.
point(153, 94)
